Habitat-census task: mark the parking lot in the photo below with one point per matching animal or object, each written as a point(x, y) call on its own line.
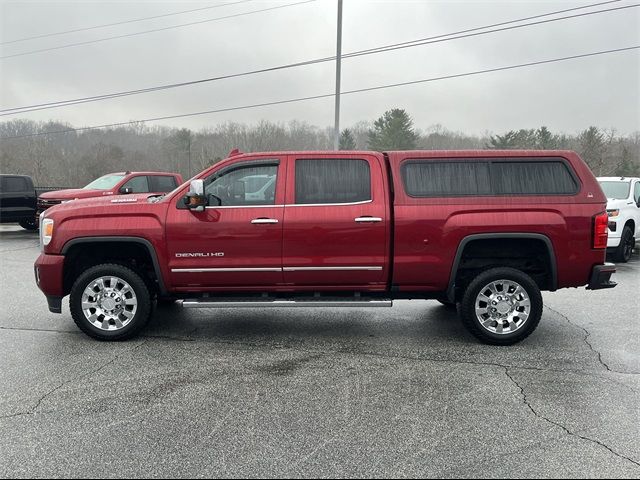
point(318, 393)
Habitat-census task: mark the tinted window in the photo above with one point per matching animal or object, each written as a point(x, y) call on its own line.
point(105, 183)
point(430, 179)
point(162, 183)
point(238, 186)
point(332, 181)
point(615, 189)
point(137, 185)
point(14, 184)
point(532, 178)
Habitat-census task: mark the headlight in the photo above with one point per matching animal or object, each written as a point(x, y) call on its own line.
point(46, 231)
point(613, 213)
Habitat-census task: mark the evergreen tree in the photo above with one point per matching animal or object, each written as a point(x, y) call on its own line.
point(393, 131)
point(347, 142)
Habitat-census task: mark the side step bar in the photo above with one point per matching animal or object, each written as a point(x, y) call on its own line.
point(212, 302)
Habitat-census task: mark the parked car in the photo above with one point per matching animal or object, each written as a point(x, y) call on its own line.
point(623, 208)
point(18, 201)
point(113, 184)
point(486, 229)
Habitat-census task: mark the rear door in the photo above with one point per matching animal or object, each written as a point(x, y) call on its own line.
point(336, 221)
point(162, 183)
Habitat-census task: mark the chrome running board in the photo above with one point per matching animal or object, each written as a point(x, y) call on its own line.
point(221, 302)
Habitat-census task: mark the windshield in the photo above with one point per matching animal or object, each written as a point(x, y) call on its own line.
point(104, 183)
point(616, 190)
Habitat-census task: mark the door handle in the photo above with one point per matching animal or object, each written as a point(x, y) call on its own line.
point(368, 220)
point(262, 221)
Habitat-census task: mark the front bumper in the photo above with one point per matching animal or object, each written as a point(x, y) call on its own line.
point(48, 271)
point(601, 277)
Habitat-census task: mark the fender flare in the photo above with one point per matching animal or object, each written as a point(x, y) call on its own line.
point(141, 241)
point(495, 236)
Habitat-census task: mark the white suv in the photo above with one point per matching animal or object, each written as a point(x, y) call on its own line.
point(623, 207)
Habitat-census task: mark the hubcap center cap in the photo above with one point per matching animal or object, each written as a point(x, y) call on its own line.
point(108, 304)
point(503, 308)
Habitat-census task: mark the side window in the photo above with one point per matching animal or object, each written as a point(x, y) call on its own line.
point(162, 183)
point(243, 186)
point(332, 181)
point(532, 178)
point(434, 178)
point(14, 184)
point(636, 192)
point(137, 185)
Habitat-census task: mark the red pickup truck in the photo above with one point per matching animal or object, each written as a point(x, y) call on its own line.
point(113, 184)
point(486, 229)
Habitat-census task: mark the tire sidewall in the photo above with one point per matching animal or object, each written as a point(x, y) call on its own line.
point(627, 238)
point(139, 320)
point(468, 312)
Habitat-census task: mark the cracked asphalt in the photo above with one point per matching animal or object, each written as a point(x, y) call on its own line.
point(401, 392)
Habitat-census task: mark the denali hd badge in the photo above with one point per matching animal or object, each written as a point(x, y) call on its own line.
point(200, 254)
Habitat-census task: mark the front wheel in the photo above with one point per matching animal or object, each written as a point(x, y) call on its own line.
point(502, 306)
point(110, 302)
point(624, 250)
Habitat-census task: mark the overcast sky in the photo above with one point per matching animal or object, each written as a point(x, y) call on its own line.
point(567, 96)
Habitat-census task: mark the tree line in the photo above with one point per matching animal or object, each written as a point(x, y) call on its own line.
point(73, 159)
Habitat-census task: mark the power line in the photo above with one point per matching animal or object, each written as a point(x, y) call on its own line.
point(327, 95)
point(88, 42)
point(413, 43)
point(104, 25)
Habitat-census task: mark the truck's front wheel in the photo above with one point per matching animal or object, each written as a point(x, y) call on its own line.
point(502, 306)
point(110, 302)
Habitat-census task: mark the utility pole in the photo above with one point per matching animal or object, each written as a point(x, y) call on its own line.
point(336, 140)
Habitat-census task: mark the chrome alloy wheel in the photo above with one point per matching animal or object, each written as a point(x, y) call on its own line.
point(109, 303)
point(502, 306)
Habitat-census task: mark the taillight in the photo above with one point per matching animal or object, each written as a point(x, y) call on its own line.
point(600, 231)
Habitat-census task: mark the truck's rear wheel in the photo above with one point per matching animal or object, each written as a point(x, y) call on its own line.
point(502, 306)
point(110, 302)
point(624, 250)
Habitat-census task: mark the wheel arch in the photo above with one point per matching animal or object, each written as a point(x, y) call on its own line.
point(499, 236)
point(142, 242)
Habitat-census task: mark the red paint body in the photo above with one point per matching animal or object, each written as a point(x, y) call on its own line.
point(411, 250)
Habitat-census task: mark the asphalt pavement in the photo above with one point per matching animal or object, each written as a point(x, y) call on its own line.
point(401, 392)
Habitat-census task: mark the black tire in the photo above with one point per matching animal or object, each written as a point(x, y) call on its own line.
point(624, 250)
point(29, 224)
point(136, 323)
point(468, 310)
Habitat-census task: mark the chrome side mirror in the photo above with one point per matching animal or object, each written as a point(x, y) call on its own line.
point(195, 199)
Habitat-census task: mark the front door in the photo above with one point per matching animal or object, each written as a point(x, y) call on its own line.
point(237, 240)
point(336, 222)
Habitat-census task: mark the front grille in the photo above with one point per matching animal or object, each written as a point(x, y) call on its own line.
point(44, 204)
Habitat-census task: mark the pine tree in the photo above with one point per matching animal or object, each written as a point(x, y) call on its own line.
point(393, 131)
point(347, 142)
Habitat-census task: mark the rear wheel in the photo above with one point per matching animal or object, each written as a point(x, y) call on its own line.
point(624, 250)
point(29, 224)
point(501, 306)
point(110, 302)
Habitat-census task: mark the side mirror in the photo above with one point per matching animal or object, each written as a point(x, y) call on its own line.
point(239, 192)
point(195, 199)
point(126, 190)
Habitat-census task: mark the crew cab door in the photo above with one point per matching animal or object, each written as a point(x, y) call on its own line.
point(237, 240)
point(336, 222)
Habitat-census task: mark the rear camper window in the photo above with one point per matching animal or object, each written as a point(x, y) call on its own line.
point(438, 178)
point(532, 178)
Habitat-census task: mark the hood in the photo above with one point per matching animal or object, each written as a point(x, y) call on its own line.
point(613, 204)
point(73, 193)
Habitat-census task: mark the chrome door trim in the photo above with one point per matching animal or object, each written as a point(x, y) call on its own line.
point(241, 269)
point(327, 204)
point(331, 269)
point(368, 220)
point(264, 221)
